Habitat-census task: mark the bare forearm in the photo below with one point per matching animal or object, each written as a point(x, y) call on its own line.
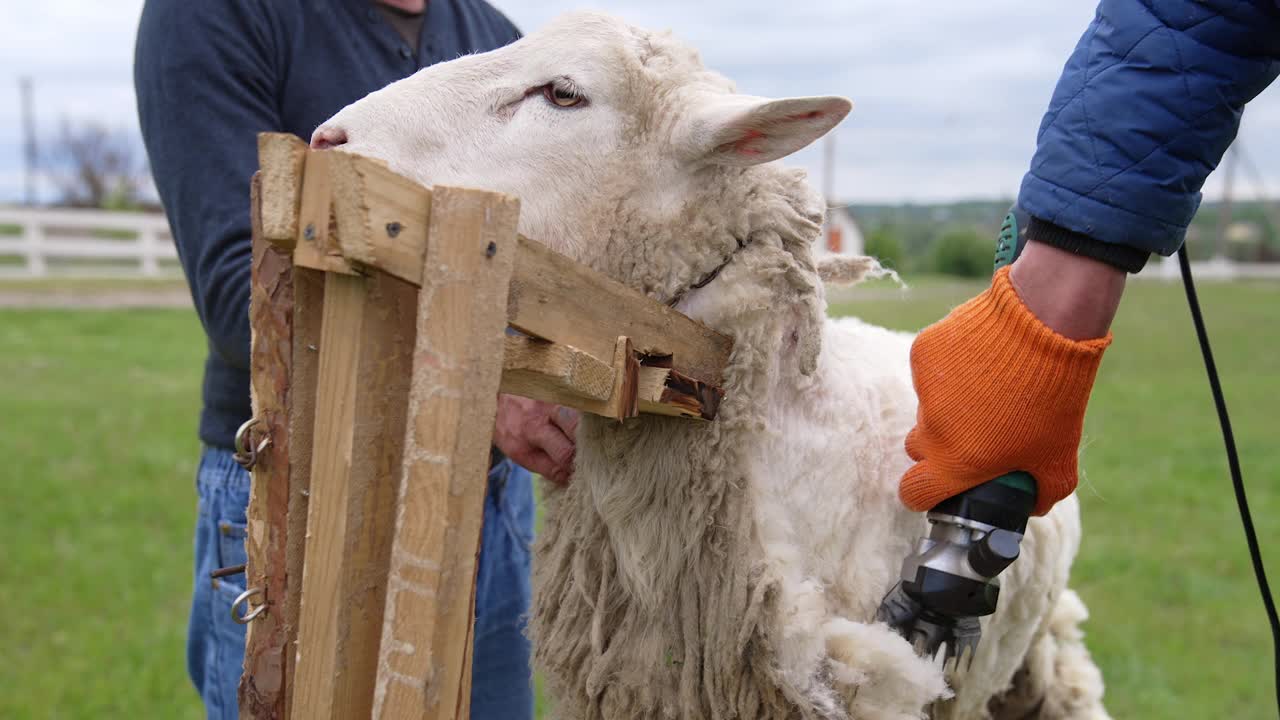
point(1075, 296)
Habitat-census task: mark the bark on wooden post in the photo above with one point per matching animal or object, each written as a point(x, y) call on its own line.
point(280, 375)
point(261, 692)
point(424, 668)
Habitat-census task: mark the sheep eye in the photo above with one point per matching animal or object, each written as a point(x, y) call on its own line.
point(561, 96)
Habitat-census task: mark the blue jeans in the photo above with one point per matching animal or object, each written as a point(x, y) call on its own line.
point(501, 685)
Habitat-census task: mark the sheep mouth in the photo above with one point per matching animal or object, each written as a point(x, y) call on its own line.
point(706, 279)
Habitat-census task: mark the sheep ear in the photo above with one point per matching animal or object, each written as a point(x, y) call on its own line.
point(742, 130)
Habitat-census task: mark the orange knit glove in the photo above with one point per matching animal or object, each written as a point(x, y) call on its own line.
point(999, 391)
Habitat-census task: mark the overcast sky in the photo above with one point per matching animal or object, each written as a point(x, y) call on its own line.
point(947, 95)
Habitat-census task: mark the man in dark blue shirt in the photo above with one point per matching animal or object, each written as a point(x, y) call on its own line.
point(209, 77)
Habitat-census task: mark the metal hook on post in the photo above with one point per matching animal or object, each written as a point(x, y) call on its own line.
point(246, 454)
point(243, 599)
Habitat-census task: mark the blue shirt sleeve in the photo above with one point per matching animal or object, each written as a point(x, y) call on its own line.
point(205, 76)
point(1145, 108)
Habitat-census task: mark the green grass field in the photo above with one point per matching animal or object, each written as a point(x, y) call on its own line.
point(99, 451)
point(99, 445)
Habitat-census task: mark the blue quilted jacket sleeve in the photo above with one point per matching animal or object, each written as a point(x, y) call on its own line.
point(1146, 106)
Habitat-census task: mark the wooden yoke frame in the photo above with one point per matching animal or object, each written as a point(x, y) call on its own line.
point(386, 319)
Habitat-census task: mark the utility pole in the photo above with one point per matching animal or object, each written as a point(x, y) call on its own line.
point(830, 233)
point(1224, 212)
point(829, 168)
point(1270, 210)
point(29, 139)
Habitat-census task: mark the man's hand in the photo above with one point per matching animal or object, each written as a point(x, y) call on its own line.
point(537, 435)
point(1004, 380)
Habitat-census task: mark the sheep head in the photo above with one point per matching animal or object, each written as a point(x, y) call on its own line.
point(626, 153)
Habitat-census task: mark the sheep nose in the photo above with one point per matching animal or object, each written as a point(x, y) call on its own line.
point(328, 137)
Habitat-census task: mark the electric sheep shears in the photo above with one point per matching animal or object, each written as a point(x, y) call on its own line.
point(950, 580)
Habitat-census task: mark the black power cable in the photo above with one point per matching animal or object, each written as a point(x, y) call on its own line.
point(1233, 460)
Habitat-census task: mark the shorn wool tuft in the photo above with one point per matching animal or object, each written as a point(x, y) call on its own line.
point(730, 569)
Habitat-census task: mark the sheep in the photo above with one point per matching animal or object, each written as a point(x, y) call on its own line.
point(729, 569)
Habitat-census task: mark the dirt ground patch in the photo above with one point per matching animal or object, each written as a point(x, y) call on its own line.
point(89, 293)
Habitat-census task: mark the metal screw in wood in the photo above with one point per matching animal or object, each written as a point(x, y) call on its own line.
point(226, 572)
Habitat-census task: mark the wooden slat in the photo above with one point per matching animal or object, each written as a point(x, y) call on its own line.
point(280, 159)
point(315, 247)
point(624, 399)
point(261, 692)
point(566, 376)
point(327, 508)
point(308, 309)
point(365, 363)
point(551, 296)
point(429, 616)
point(555, 373)
point(374, 208)
point(556, 298)
point(667, 392)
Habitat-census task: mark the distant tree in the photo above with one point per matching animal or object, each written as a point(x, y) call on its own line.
point(965, 253)
point(94, 166)
point(883, 244)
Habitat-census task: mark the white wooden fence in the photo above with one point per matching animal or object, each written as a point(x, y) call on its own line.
point(85, 242)
point(88, 243)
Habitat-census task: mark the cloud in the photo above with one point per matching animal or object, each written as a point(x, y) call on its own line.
point(948, 96)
